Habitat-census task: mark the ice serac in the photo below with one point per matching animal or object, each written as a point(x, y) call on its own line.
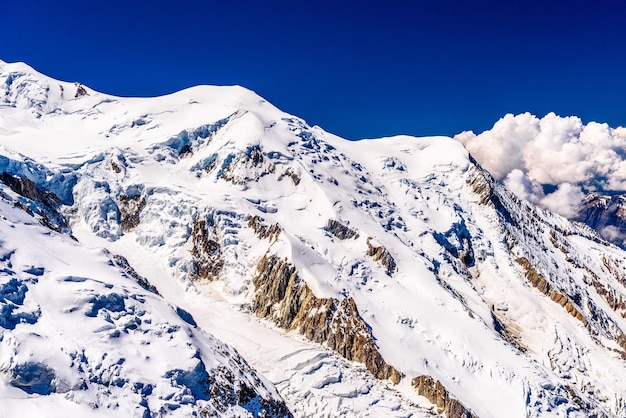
point(392, 277)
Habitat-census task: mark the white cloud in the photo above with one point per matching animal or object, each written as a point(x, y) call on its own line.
point(613, 234)
point(564, 200)
point(523, 187)
point(527, 152)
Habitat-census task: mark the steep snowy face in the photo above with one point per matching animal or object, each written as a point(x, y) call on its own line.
point(448, 294)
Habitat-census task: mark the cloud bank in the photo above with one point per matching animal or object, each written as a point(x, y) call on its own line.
point(553, 161)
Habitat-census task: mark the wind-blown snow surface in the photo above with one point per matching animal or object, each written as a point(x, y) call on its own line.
point(516, 311)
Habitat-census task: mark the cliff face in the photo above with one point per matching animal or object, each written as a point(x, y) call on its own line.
point(130, 208)
point(42, 204)
point(284, 298)
point(83, 334)
point(434, 391)
point(606, 214)
point(382, 256)
point(206, 251)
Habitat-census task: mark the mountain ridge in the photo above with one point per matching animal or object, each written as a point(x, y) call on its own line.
point(280, 224)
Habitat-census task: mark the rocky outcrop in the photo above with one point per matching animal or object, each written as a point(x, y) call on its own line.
point(263, 230)
point(206, 252)
point(606, 214)
point(123, 263)
point(284, 298)
point(46, 207)
point(130, 208)
point(436, 393)
point(340, 230)
point(382, 256)
point(295, 179)
point(223, 389)
point(251, 166)
point(507, 330)
point(28, 189)
point(540, 283)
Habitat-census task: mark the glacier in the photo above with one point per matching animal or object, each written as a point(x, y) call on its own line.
point(391, 277)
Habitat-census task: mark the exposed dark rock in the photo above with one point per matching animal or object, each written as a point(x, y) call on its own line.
point(524, 227)
point(606, 214)
point(130, 209)
point(436, 393)
point(613, 298)
point(223, 389)
point(340, 230)
point(115, 167)
point(122, 262)
point(291, 174)
point(262, 230)
point(590, 410)
point(25, 187)
point(185, 151)
point(80, 91)
point(382, 256)
point(47, 209)
point(539, 282)
point(185, 141)
point(284, 298)
point(33, 378)
point(206, 252)
point(251, 166)
point(508, 331)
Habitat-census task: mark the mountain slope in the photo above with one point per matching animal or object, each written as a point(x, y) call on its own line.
point(81, 336)
point(399, 254)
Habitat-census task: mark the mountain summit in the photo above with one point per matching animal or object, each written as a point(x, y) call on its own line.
point(392, 277)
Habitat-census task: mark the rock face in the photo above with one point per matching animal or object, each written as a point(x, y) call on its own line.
point(458, 242)
point(91, 340)
point(238, 392)
point(206, 252)
point(382, 256)
point(340, 230)
point(123, 263)
point(284, 298)
point(130, 208)
point(605, 214)
point(434, 391)
point(262, 230)
point(251, 166)
point(295, 178)
point(37, 202)
point(480, 296)
point(539, 282)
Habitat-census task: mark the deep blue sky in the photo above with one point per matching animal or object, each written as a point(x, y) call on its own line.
point(358, 69)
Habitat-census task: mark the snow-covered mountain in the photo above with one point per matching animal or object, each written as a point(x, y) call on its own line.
point(606, 214)
point(390, 277)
